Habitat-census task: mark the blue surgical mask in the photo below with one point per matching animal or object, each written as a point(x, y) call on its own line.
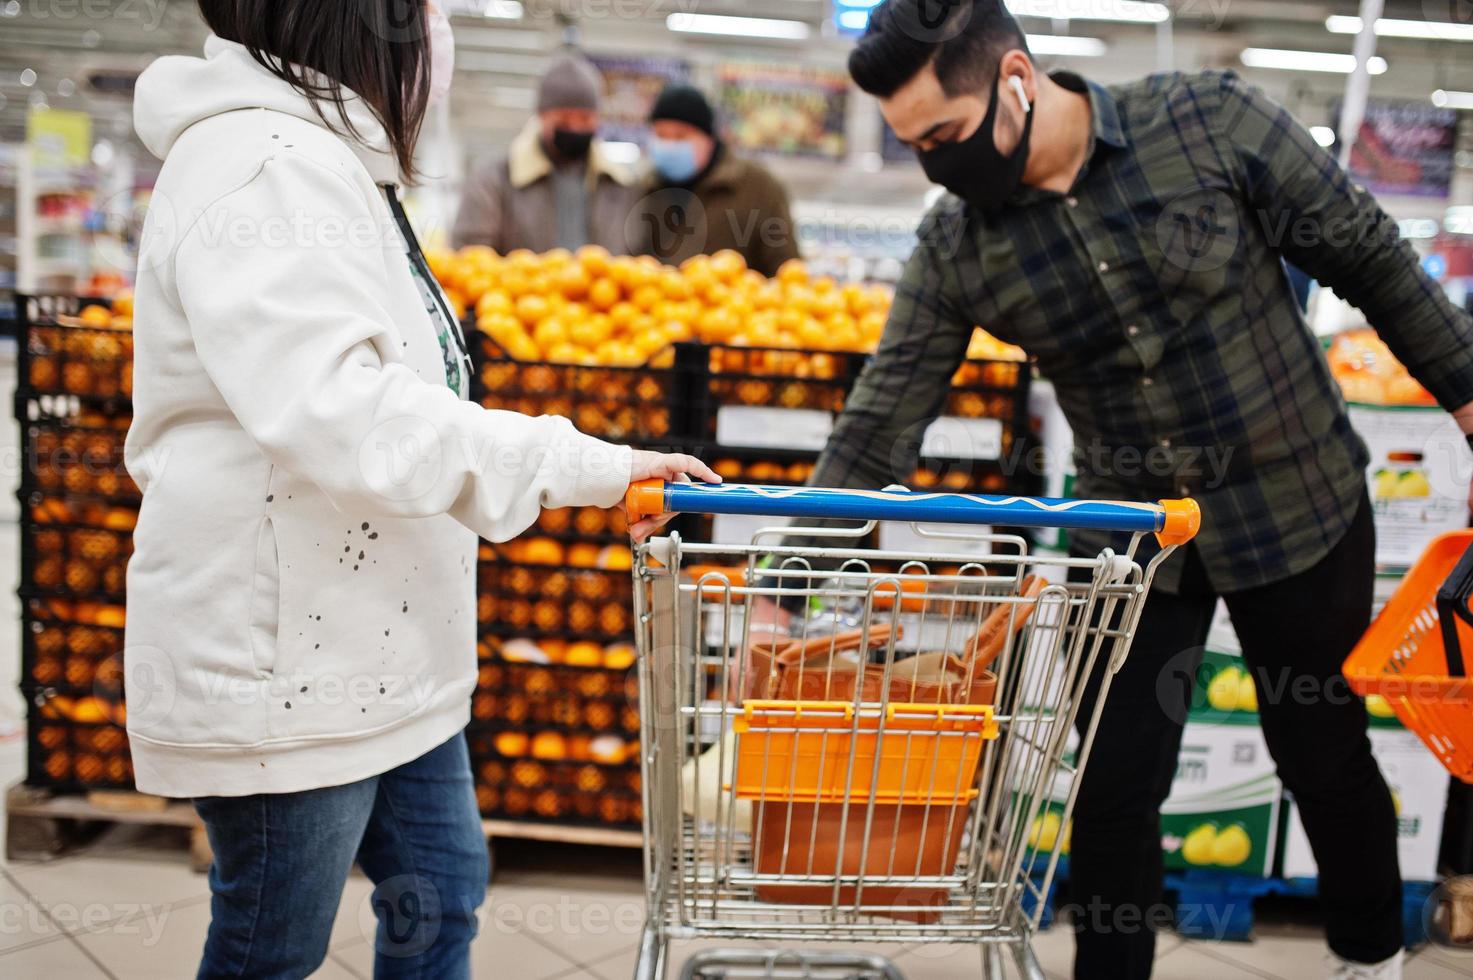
point(675, 160)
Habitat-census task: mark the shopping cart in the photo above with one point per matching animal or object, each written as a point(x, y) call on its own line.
point(1414, 654)
point(894, 764)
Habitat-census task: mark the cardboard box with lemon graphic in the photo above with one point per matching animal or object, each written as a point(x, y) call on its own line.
point(1418, 477)
point(1223, 809)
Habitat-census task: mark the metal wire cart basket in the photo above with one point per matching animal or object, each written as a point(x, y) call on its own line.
point(857, 746)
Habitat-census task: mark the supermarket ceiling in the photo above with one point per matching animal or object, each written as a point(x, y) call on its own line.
point(82, 53)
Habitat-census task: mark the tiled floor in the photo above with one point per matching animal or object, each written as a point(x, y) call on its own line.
point(127, 905)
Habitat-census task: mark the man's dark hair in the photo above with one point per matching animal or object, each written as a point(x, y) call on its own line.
point(376, 49)
point(965, 39)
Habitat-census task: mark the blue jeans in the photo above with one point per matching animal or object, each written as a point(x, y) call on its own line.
point(281, 860)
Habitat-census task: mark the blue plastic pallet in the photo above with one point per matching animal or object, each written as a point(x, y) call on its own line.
point(1218, 905)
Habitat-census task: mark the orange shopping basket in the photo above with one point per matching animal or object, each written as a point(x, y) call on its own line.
point(1413, 654)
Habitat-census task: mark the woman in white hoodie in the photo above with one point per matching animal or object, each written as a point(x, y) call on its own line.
point(301, 600)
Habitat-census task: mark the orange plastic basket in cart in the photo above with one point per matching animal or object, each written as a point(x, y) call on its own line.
point(807, 751)
point(1413, 654)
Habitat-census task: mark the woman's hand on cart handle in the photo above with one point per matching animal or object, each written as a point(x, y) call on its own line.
point(663, 466)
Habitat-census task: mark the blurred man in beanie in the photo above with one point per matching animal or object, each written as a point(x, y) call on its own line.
point(740, 204)
point(555, 187)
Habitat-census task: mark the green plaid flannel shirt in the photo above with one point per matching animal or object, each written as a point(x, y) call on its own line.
point(1153, 295)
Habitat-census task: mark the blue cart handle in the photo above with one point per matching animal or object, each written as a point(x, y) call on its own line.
point(1174, 522)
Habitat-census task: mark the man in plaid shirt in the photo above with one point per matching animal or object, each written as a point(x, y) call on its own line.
point(1132, 240)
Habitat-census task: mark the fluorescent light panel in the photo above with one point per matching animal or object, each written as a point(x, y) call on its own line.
point(1079, 47)
point(1128, 11)
point(1446, 99)
point(765, 27)
point(1432, 30)
point(1286, 60)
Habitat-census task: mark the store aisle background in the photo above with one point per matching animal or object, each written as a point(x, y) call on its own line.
point(128, 906)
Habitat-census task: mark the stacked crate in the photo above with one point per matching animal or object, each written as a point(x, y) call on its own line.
point(78, 509)
point(763, 415)
point(555, 722)
point(555, 729)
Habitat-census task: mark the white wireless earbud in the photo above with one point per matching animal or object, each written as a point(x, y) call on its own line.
point(1016, 84)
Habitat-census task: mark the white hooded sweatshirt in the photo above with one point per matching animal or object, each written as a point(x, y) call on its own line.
point(301, 598)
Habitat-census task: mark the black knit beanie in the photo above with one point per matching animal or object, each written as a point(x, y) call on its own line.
point(685, 103)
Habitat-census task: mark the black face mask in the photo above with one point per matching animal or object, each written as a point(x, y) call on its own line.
point(973, 169)
point(571, 144)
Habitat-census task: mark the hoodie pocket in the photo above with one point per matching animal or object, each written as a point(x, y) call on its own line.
point(266, 602)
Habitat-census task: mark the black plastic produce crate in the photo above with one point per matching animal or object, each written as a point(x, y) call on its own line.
point(64, 457)
point(643, 406)
point(72, 560)
point(66, 368)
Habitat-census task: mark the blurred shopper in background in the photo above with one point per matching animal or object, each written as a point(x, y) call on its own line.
point(555, 187)
point(741, 205)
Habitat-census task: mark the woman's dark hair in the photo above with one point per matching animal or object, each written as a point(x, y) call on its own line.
point(965, 39)
point(377, 49)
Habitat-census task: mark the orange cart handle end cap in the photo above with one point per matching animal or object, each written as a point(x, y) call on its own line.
point(1183, 521)
point(644, 498)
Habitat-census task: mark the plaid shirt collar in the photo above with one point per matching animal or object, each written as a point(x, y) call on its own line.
point(1105, 130)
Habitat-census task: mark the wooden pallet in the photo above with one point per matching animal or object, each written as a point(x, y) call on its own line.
point(42, 825)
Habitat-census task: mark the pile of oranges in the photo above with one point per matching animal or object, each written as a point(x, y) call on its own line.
point(589, 307)
point(1369, 374)
point(120, 317)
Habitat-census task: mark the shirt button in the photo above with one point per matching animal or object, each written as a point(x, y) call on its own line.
point(1184, 490)
point(1133, 330)
point(1147, 382)
point(1072, 201)
point(1104, 267)
point(1165, 444)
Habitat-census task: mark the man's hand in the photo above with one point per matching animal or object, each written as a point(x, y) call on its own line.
point(664, 466)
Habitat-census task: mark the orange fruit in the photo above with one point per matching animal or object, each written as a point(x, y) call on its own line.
point(727, 265)
point(564, 352)
point(572, 281)
point(541, 551)
point(114, 616)
point(549, 745)
point(584, 653)
point(494, 301)
point(717, 324)
point(583, 555)
point(622, 315)
point(646, 296)
point(532, 307)
point(674, 284)
point(603, 293)
point(611, 750)
point(93, 315)
point(523, 348)
point(550, 332)
point(617, 557)
point(123, 303)
point(594, 259)
point(619, 656)
point(510, 743)
point(591, 332)
point(793, 271)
